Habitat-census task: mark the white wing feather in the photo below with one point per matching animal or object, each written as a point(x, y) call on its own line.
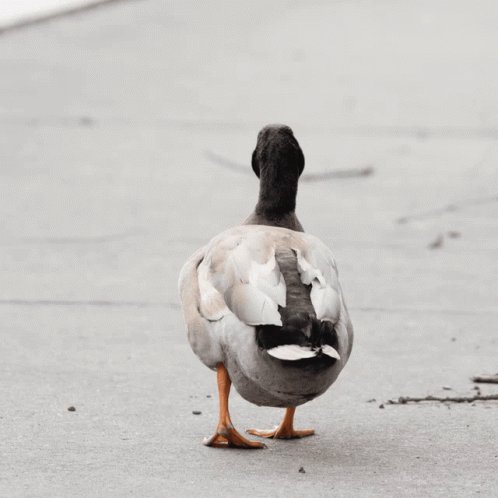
point(291, 352)
point(267, 278)
point(330, 351)
point(252, 306)
point(248, 278)
point(212, 305)
point(326, 301)
point(316, 266)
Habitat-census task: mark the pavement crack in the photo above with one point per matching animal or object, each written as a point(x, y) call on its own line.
point(90, 302)
point(96, 239)
point(172, 305)
point(448, 208)
point(425, 310)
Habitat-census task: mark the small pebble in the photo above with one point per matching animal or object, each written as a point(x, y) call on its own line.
point(71, 409)
point(301, 470)
point(371, 400)
point(447, 388)
point(381, 406)
point(437, 243)
point(196, 412)
point(454, 234)
point(86, 121)
point(208, 395)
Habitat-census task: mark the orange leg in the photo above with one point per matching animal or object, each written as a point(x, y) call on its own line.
point(226, 436)
point(285, 430)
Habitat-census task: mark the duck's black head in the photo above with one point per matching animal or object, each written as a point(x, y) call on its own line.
point(277, 154)
point(278, 161)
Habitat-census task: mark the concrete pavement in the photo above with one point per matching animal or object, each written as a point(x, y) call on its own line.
point(107, 121)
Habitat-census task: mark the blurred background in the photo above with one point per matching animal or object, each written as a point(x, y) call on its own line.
point(17, 13)
point(126, 131)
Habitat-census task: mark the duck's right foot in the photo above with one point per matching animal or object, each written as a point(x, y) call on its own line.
point(285, 430)
point(282, 433)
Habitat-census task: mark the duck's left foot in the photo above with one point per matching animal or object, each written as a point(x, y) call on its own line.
point(228, 437)
point(285, 430)
point(281, 433)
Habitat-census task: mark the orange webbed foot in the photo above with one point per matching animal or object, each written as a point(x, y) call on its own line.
point(282, 433)
point(285, 430)
point(228, 437)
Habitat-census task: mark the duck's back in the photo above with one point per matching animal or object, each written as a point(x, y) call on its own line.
point(257, 296)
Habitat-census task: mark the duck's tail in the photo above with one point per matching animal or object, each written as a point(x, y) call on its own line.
point(301, 337)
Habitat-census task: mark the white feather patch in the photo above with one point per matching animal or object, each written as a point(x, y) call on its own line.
point(212, 304)
point(291, 352)
point(268, 279)
point(252, 306)
point(307, 271)
point(326, 301)
point(330, 351)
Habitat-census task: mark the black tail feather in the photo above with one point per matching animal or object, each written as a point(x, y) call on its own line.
point(300, 329)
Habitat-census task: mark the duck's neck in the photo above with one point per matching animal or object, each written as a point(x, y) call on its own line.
point(277, 194)
point(277, 202)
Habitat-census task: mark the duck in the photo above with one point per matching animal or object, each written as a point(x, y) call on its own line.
point(262, 303)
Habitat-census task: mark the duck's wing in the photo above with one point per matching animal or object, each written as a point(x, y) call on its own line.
point(199, 328)
point(317, 267)
point(240, 275)
point(235, 276)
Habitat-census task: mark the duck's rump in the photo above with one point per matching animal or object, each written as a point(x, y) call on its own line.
point(268, 381)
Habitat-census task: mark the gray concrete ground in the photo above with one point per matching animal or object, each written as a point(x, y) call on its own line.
point(107, 119)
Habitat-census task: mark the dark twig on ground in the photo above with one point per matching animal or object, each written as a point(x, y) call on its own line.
point(486, 379)
point(307, 177)
point(338, 173)
point(403, 400)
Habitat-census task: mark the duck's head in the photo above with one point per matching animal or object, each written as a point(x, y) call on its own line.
point(277, 153)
